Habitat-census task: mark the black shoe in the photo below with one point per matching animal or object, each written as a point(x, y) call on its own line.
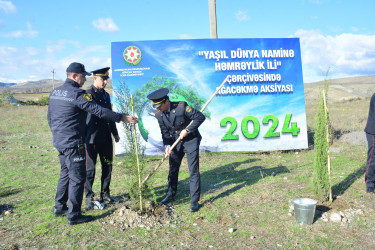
point(167, 199)
point(80, 219)
point(194, 206)
point(106, 198)
point(370, 190)
point(57, 212)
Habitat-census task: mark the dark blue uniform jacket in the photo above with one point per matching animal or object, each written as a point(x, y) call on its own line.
point(180, 116)
point(67, 114)
point(99, 130)
point(370, 125)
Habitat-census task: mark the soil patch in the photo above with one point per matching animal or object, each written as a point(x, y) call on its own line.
point(336, 205)
point(158, 216)
point(357, 138)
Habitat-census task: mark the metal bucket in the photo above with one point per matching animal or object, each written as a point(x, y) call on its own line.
point(304, 210)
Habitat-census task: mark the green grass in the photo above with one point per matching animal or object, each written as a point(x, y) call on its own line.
point(234, 195)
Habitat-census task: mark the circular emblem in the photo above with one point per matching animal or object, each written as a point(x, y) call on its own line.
point(188, 109)
point(132, 55)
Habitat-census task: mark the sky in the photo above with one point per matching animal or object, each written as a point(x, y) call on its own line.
point(38, 37)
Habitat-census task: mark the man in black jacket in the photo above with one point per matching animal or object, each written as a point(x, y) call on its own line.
point(174, 119)
point(99, 140)
point(67, 110)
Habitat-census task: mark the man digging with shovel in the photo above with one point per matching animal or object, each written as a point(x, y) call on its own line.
point(174, 120)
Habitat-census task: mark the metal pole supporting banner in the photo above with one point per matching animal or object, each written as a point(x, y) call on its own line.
point(212, 13)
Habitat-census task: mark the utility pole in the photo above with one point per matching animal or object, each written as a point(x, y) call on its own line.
point(212, 13)
point(53, 78)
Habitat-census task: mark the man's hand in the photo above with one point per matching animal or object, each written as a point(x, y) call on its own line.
point(183, 134)
point(168, 150)
point(117, 138)
point(129, 119)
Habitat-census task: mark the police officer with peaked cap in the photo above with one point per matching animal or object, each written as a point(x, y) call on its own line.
point(67, 111)
point(174, 119)
point(99, 140)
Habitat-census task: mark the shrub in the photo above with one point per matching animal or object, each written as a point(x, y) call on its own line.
point(134, 159)
point(5, 97)
point(43, 101)
point(321, 186)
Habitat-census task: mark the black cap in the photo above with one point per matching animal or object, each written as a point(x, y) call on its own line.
point(103, 73)
point(78, 68)
point(158, 96)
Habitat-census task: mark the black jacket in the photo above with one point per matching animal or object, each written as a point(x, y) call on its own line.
point(66, 116)
point(370, 125)
point(99, 130)
point(179, 118)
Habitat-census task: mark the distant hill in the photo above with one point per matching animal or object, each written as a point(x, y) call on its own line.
point(342, 89)
point(349, 80)
point(29, 87)
point(43, 86)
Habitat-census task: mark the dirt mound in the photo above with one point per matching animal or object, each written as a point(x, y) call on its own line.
point(357, 138)
point(159, 216)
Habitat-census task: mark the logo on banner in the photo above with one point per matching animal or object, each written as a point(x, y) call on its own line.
point(132, 55)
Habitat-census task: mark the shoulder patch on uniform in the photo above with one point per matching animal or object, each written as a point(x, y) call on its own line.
point(87, 97)
point(188, 109)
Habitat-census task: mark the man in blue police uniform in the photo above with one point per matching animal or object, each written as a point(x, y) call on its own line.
point(174, 119)
point(99, 140)
point(67, 111)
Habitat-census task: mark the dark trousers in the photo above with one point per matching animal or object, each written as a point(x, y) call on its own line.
point(71, 182)
point(370, 167)
point(192, 153)
point(105, 152)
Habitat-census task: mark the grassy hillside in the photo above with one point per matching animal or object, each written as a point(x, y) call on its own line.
point(248, 192)
point(43, 86)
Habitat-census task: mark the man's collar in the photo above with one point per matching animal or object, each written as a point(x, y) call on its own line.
point(168, 110)
point(96, 89)
point(72, 82)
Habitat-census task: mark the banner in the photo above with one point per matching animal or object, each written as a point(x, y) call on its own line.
point(261, 107)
